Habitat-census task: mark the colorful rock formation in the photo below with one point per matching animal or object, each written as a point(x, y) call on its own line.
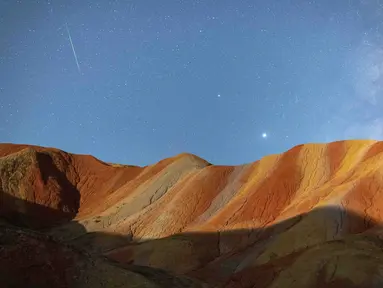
point(309, 217)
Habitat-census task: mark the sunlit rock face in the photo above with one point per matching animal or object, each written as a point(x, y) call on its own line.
point(309, 217)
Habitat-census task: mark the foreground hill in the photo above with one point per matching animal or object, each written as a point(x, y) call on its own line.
point(309, 217)
point(30, 259)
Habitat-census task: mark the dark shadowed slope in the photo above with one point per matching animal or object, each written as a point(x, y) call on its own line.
point(280, 255)
point(32, 259)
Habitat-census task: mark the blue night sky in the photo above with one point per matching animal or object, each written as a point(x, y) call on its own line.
point(136, 81)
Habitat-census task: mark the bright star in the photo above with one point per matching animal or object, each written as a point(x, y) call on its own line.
point(264, 135)
point(219, 95)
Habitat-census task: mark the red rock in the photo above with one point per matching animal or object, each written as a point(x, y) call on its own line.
point(309, 217)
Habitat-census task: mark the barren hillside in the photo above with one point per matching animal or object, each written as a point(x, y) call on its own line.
point(309, 217)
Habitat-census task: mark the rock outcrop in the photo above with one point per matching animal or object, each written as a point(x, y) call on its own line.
point(309, 217)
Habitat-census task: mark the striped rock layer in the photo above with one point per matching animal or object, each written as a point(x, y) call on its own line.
point(309, 217)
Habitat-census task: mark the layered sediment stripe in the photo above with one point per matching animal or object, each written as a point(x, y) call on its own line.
point(268, 191)
point(227, 215)
point(238, 177)
point(184, 202)
point(147, 193)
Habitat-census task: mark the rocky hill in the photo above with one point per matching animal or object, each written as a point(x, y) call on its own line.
point(309, 217)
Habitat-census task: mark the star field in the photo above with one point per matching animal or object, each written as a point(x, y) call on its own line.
point(231, 81)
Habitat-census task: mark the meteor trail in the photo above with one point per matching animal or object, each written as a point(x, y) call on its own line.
point(74, 52)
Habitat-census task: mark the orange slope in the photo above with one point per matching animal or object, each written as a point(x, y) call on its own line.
point(222, 224)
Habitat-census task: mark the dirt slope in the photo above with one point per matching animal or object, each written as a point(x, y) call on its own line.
point(309, 217)
point(30, 259)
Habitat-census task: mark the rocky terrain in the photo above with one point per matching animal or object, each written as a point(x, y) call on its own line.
point(309, 217)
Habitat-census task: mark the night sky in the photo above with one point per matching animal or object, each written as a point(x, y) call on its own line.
point(134, 82)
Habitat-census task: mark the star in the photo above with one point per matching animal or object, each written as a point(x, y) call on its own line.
point(219, 95)
point(264, 135)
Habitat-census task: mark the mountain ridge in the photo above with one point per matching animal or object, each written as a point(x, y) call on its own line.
point(190, 217)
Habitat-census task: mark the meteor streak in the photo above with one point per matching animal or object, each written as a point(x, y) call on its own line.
point(74, 52)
